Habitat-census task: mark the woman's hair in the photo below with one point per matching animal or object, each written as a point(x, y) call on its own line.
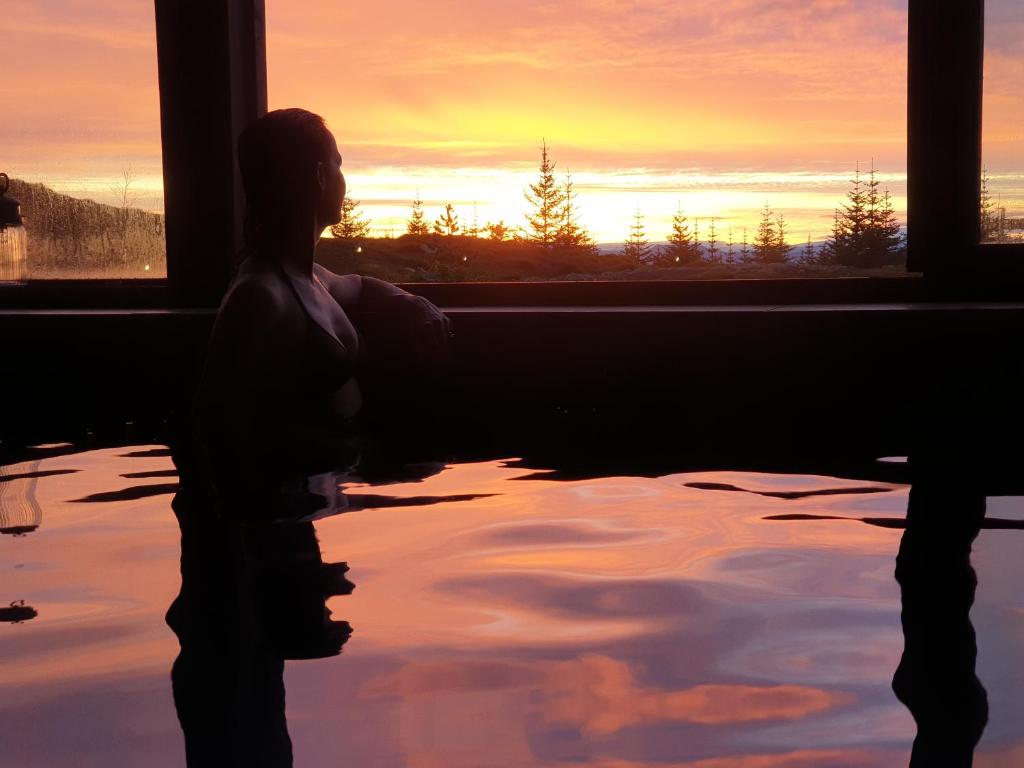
point(277, 155)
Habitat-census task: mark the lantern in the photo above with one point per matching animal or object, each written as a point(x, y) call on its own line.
point(13, 241)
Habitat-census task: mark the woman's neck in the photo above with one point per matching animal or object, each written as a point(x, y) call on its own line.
point(292, 248)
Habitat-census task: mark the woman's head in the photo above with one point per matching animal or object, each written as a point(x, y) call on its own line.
point(290, 168)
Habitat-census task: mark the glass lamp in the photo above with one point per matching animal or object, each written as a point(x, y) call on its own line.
point(13, 240)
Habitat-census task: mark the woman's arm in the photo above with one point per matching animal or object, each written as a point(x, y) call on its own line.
point(357, 294)
point(378, 308)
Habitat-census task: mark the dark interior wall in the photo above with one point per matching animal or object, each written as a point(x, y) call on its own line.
point(773, 381)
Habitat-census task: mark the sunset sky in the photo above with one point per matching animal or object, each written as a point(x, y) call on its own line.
point(718, 106)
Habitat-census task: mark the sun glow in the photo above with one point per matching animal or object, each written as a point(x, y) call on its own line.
point(607, 200)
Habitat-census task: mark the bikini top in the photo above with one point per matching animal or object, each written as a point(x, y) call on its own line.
point(324, 364)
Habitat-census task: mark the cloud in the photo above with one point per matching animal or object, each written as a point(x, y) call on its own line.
point(600, 695)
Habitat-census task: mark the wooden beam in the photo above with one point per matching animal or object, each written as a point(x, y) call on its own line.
point(946, 49)
point(212, 72)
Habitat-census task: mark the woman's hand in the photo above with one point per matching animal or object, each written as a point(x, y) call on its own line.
point(432, 330)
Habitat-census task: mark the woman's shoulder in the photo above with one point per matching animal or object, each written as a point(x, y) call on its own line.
point(257, 294)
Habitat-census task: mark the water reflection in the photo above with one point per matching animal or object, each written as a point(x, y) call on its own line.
point(17, 612)
point(20, 512)
point(698, 619)
point(936, 677)
point(251, 597)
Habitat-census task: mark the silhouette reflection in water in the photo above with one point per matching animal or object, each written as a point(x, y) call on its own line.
point(251, 597)
point(936, 677)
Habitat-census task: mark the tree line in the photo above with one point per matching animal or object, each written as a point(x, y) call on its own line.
point(996, 226)
point(864, 233)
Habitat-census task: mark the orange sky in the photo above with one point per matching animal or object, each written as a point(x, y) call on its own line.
point(719, 106)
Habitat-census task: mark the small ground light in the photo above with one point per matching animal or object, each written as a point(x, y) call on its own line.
point(464, 258)
point(359, 249)
point(146, 268)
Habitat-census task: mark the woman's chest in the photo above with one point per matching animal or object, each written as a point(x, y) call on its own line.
point(339, 322)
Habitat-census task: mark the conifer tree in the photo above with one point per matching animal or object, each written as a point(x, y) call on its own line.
point(828, 253)
point(883, 240)
point(989, 217)
point(682, 245)
point(713, 256)
point(888, 236)
point(417, 224)
point(448, 222)
point(808, 255)
point(781, 248)
point(637, 248)
point(498, 231)
point(745, 255)
point(547, 199)
point(765, 240)
point(865, 232)
point(1001, 221)
point(729, 248)
point(352, 224)
point(570, 236)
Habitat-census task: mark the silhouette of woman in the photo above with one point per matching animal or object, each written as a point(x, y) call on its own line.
point(281, 377)
point(252, 597)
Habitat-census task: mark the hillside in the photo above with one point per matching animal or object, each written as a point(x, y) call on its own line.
point(72, 237)
point(434, 258)
point(431, 258)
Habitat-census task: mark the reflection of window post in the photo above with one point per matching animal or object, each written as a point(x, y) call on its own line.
point(20, 512)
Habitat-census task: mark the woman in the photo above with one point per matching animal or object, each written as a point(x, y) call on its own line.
point(281, 378)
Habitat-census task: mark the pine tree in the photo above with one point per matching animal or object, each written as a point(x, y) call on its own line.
point(729, 248)
point(447, 223)
point(637, 248)
point(865, 232)
point(781, 252)
point(570, 236)
point(828, 253)
point(745, 255)
point(713, 255)
point(498, 231)
point(547, 199)
point(989, 217)
point(352, 224)
point(682, 244)
point(417, 224)
point(808, 255)
point(888, 236)
point(1001, 221)
point(766, 241)
point(883, 240)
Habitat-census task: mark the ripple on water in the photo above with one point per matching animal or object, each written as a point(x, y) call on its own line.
point(499, 619)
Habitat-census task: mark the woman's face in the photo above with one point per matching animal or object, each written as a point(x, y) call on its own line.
point(332, 189)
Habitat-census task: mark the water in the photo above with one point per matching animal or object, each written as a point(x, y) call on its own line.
point(499, 618)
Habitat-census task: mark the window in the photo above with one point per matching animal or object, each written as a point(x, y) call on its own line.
point(1002, 193)
point(817, 88)
point(738, 131)
point(81, 138)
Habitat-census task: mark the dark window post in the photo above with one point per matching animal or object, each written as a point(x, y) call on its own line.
point(944, 136)
point(212, 68)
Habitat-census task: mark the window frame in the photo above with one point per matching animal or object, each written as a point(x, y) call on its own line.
point(946, 57)
point(212, 78)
